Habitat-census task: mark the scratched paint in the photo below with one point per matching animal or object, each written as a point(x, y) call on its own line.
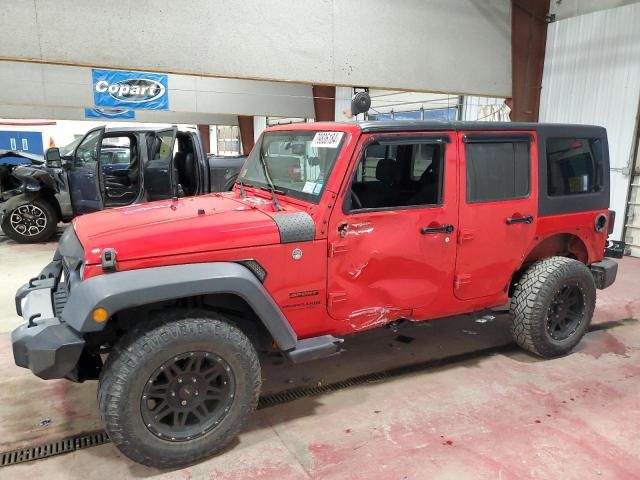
point(361, 228)
point(370, 317)
point(356, 271)
point(255, 200)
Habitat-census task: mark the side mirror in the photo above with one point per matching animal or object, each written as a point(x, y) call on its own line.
point(53, 158)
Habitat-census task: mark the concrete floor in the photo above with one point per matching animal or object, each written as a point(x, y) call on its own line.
point(486, 410)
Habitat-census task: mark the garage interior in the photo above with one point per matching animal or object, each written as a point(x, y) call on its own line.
point(448, 398)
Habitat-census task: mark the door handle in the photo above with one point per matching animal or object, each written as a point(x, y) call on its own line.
point(448, 228)
point(524, 219)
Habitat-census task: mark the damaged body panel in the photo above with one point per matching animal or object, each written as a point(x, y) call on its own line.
point(381, 266)
point(10, 160)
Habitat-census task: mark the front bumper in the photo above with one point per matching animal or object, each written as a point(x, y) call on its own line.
point(44, 344)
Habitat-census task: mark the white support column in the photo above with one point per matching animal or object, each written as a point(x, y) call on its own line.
point(213, 138)
point(259, 124)
point(343, 104)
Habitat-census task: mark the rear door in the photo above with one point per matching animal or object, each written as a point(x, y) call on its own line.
point(159, 172)
point(498, 209)
point(82, 175)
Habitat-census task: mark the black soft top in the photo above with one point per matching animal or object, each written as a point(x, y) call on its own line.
point(426, 125)
point(547, 205)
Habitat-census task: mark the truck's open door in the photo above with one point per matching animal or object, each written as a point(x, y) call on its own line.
point(159, 173)
point(82, 173)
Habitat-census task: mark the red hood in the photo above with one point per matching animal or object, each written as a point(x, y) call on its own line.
point(170, 227)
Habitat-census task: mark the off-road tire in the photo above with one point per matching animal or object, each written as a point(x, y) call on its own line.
point(46, 234)
point(533, 296)
point(141, 352)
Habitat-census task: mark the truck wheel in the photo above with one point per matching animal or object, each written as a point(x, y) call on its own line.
point(552, 306)
point(31, 222)
point(179, 390)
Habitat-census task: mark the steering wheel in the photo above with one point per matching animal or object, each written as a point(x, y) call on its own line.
point(355, 200)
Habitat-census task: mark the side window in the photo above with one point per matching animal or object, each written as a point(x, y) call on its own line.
point(398, 175)
point(87, 152)
point(163, 147)
point(497, 171)
point(574, 165)
point(116, 151)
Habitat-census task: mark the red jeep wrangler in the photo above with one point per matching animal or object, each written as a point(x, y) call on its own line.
point(331, 229)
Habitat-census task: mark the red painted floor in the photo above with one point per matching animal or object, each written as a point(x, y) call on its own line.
point(504, 415)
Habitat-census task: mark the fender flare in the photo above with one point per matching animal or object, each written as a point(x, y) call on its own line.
point(14, 202)
point(28, 197)
point(134, 288)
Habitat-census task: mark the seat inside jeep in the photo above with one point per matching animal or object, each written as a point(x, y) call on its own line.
point(398, 175)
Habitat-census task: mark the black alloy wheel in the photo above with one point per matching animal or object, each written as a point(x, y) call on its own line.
point(566, 312)
point(187, 396)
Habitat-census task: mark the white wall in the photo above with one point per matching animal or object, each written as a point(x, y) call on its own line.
point(592, 76)
point(144, 116)
point(425, 45)
point(33, 87)
point(571, 8)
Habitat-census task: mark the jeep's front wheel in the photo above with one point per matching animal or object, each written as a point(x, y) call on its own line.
point(180, 390)
point(552, 306)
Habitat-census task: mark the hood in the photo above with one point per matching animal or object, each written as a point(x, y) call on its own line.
point(174, 227)
point(13, 158)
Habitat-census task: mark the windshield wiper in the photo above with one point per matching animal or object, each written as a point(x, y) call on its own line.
point(267, 177)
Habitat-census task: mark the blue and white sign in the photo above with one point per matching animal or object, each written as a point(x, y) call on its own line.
point(110, 113)
point(131, 90)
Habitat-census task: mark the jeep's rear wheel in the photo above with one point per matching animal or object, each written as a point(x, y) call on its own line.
point(31, 222)
point(179, 390)
point(552, 306)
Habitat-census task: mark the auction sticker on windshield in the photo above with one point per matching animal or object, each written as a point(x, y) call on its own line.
point(327, 139)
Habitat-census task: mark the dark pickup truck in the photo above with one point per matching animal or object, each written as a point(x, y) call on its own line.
point(109, 167)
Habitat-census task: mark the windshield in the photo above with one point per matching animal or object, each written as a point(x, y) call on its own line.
point(67, 150)
point(298, 163)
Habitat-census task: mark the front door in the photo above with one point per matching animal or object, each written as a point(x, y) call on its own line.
point(392, 244)
point(498, 209)
point(160, 178)
point(82, 174)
